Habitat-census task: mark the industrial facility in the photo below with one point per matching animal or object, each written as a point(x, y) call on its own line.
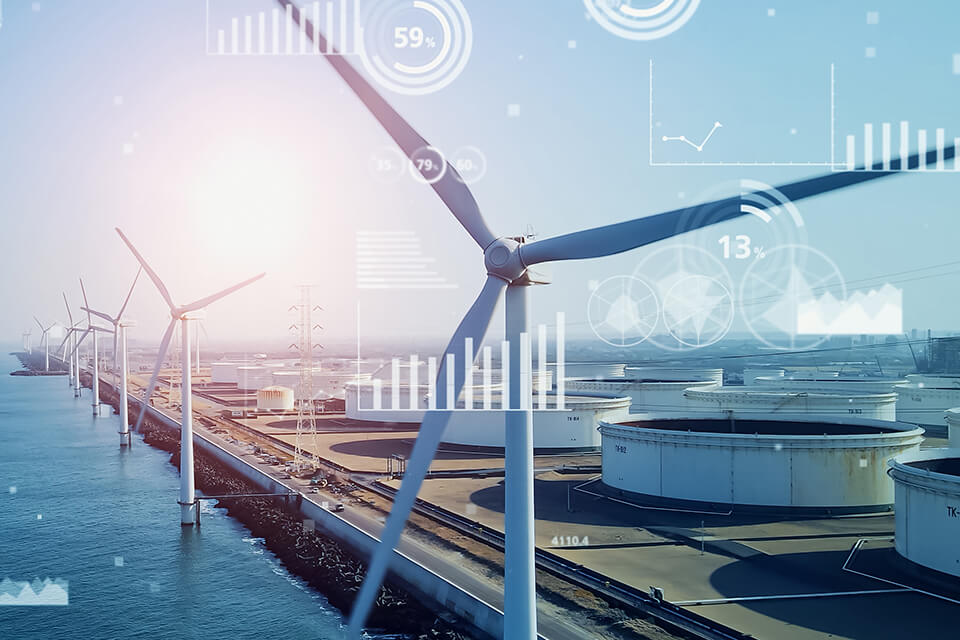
point(782, 463)
point(928, 508)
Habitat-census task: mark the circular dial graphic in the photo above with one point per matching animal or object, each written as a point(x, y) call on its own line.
point(623, 311)
point(641, 19)
point(698, 310)
point(416, 47)
point(695, 287)
point(773, 302)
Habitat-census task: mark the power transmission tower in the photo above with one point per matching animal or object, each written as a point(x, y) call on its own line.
point(306, 409)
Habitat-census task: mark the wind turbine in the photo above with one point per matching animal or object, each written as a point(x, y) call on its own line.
point(74, 377)
point(120, 356)
point(27, 335)
point(46, 343)
point(182, 314)
point(507, 261)
point(95, 330)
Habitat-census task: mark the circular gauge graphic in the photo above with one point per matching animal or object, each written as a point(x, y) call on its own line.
point(775, 304)
point(416, 47)
point(470, 164)
point(759, 218)
point(698, 286)
point(428, 165)
point(387, 164)
point(698, 310)
point(641, 19)
point(623, 311)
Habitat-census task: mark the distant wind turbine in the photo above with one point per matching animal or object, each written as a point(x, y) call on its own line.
point(95, 330)
point(182, 314)
point(44, 338)
point(507, 261)
point(120, 357)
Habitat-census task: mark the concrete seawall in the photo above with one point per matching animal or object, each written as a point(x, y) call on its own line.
point(432, 590)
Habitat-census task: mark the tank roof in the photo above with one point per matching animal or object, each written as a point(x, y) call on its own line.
point(766, 426)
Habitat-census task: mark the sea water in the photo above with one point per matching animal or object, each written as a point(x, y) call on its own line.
point(76, 506)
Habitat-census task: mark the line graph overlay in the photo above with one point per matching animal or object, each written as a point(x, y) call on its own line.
point(684, 139)
point(661, 155)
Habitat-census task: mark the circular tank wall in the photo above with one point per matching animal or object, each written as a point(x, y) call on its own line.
point(645, 395)
point(788, 463)
point(829, 384)
point(874, 406)
point(574, 428)
point(275, 398)
point(928, 508)
point(923, 399)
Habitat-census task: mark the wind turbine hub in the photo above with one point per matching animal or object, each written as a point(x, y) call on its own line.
point(198, 314)
point(502, 259)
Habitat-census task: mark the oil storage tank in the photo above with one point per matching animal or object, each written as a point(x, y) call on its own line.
point(651, 389)
point(254, 377)
point(830, 384)
point(927, 525)
point(875, 406)
point(224, 372)
point(755, 463)
point(572, 429)
point(924, 398)
point(275, 398)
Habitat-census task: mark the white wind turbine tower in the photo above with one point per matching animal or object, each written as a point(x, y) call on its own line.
point(120, 357)
point(182, 314)
point(44, 339)
point(95, 330)
point(27, 336)
point(71, 336)
point(507, 261)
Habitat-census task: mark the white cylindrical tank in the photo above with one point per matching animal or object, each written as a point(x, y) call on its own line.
point(740, 400)
point(751, 374)
point(673, 374)
point(275, 398)
point(253, 377)
point(789, 463)
point(593, 370)
point(650, 388)
point(924, 399)
point(327, 383)
point(224, 372)
point(928, 508)
point(830, 384)
point(574, 428)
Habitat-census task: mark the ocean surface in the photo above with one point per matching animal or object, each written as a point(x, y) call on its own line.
point(75, 506)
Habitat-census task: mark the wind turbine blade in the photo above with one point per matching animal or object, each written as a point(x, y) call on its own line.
point(623, 236)
point(451, 187)
point(129, 293)
point(203, 302)
point(85, 303)
point(150, 272)
point(99, 314)
point(80, 340)
point(67, 305)
point(39, 324)
point(474, 325)
point(164, 343)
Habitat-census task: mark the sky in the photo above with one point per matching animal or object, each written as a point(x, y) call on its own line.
point(220, 167)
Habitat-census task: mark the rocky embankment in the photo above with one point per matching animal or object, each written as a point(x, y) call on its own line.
point(326, 565)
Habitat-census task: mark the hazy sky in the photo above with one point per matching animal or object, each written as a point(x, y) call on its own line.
point(112, 114)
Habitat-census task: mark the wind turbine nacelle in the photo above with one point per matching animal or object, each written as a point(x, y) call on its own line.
point(199, 314)
point(126, 324)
